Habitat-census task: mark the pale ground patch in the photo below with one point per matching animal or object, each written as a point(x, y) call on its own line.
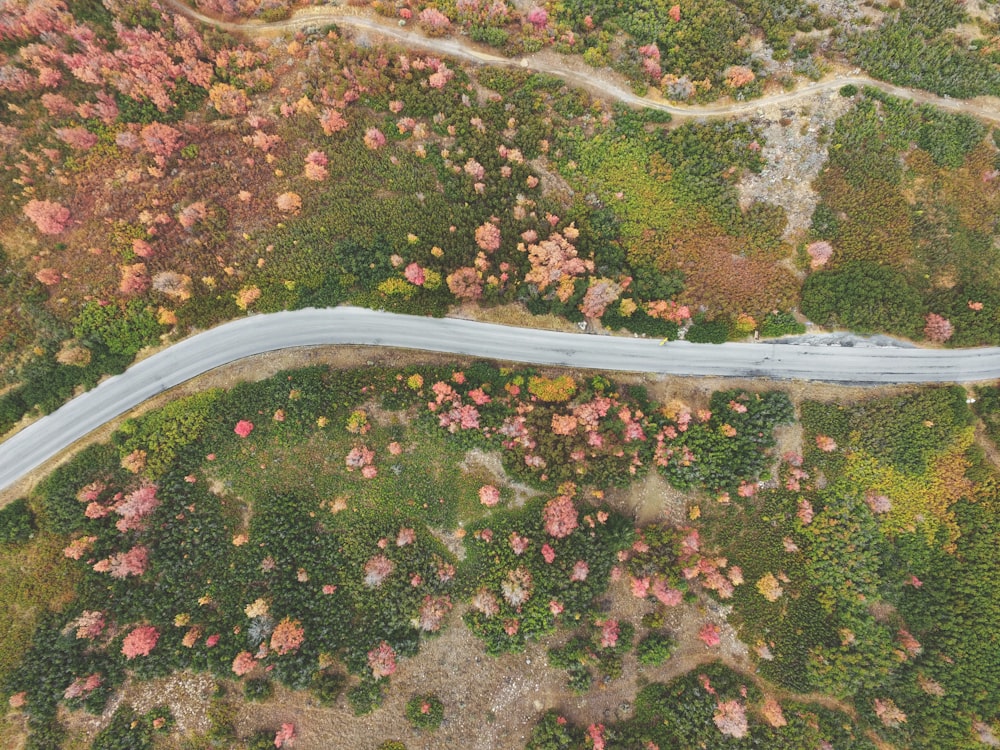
point(491, 703)
point(491, 462)
point(795, 152)
point(651, 500)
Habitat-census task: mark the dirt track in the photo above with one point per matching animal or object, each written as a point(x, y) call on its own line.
point(570, 69)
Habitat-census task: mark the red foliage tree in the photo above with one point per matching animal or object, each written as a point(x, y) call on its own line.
point(162, 141)
point(332, 121)
point(488, 236)
point(135, 279)
point(560, 517)
point(49, 217)
point(287, 636)
point(382, 661)
point(49, 276)
point(78, 138)
point(731, 718)
point(465, 283)
point(938, 328)
point(243, 428)
point(140, 641)
point(243, 663)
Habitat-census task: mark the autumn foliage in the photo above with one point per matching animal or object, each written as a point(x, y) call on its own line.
point(140, 641)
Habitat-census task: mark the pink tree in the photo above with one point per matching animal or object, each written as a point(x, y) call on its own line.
point(537, 17)
point(374, 139)
point(243, 663)
point(192, 214)
point(609, 632)
point(162, 141)
point(49, 276)
point(819, 253)
point(332, 121)
point(600, 294)
point(938, 328)
point(434, 22)
point(731, 718)
point(415, 274)
point(555, 261)
point(287, 636)
point(432, 612)
point(489, 495)
point(136, 506)
point(465, 283)
point(382, 661)
point(560, 517)
point(124, 564)
point(580, 571)
point(78, 138)
point(284, 736)
point(488, 236)
point(243, 428)
point(709, 635)
point(140, 641)
point(377, 569)
point(135, 279)
point(49, 217)
point(315, 167)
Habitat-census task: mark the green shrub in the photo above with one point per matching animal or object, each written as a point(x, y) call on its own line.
point(258, 689)
point(777, 324)
point(708, 332)
point(260, 740)
point(425, 711)
point(17, 522)
point(327, 686)
point(655, 649)
point(365, 697)
point(863, 297)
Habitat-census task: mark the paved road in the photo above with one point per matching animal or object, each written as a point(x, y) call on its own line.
point(348, 325)
point(568, 67)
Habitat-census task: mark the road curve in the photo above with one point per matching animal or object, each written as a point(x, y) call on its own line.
point(258, 334)
point(547, 63)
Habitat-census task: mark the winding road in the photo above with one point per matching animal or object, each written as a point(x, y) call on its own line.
point(563, 66)
point(258, 334)
point(47, 437)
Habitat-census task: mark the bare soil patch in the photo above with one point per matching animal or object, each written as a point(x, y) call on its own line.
point(491, 703)
point(651, 500)
point(491, 463)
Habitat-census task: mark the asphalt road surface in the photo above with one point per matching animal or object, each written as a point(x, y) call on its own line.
point(257, 334)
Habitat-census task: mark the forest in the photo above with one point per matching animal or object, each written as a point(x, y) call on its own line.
point(164, 177)
point(288, 532)
point(819, 567)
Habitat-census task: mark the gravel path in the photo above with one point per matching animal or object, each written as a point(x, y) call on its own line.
point(569, 69)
